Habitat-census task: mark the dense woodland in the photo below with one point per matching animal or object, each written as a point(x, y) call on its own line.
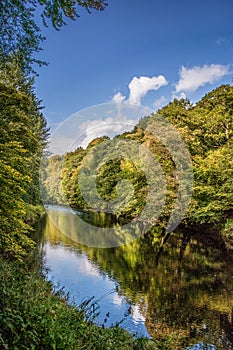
point(207, 130)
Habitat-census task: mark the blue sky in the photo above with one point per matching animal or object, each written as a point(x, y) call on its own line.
point(141, 51)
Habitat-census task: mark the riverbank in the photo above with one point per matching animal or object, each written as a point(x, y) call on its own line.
point(34, 213)
point(34, 316)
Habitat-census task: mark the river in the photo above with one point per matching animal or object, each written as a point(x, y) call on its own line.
point(183, 291)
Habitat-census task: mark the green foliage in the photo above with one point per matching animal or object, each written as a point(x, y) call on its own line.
point(207, 130)
point(51, 180)
point(23, 135)
point(57, 11)
point(217, 110)
point(213, 187)
point(32, 317)
point(13, 182)
point(70, 170)
point(20, 36)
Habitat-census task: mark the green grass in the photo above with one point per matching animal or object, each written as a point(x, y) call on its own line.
point(33, 317)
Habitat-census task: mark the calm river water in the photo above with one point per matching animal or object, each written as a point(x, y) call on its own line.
point(184, 291)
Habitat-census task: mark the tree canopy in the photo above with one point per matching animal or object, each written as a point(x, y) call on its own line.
point(207, 130)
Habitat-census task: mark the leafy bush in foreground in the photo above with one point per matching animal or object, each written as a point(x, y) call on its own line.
point(32, 317)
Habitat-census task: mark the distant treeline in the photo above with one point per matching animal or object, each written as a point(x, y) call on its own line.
point(206, 129)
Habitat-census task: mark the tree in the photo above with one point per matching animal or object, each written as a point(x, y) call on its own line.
point(216, 109)
point(213, 186)
point(209, 127)
point(52, 180)
point(23, 134)
point(14, 180)
point(20, 35)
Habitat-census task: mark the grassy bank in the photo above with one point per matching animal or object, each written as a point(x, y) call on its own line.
point(33, 317)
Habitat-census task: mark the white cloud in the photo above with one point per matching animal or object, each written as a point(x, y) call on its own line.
point(191, 79)
point(140, 86)
point(160, 102)
point(179, 96)
point(137, 314)
point(118, 299)
point(106, 119)
point(118, 98)
point(109, 127)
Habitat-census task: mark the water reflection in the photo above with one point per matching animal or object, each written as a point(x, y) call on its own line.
point(69, 265)
point(94, 229)
point(182, 290)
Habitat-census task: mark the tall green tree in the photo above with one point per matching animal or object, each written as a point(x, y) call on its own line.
point(23, 134)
